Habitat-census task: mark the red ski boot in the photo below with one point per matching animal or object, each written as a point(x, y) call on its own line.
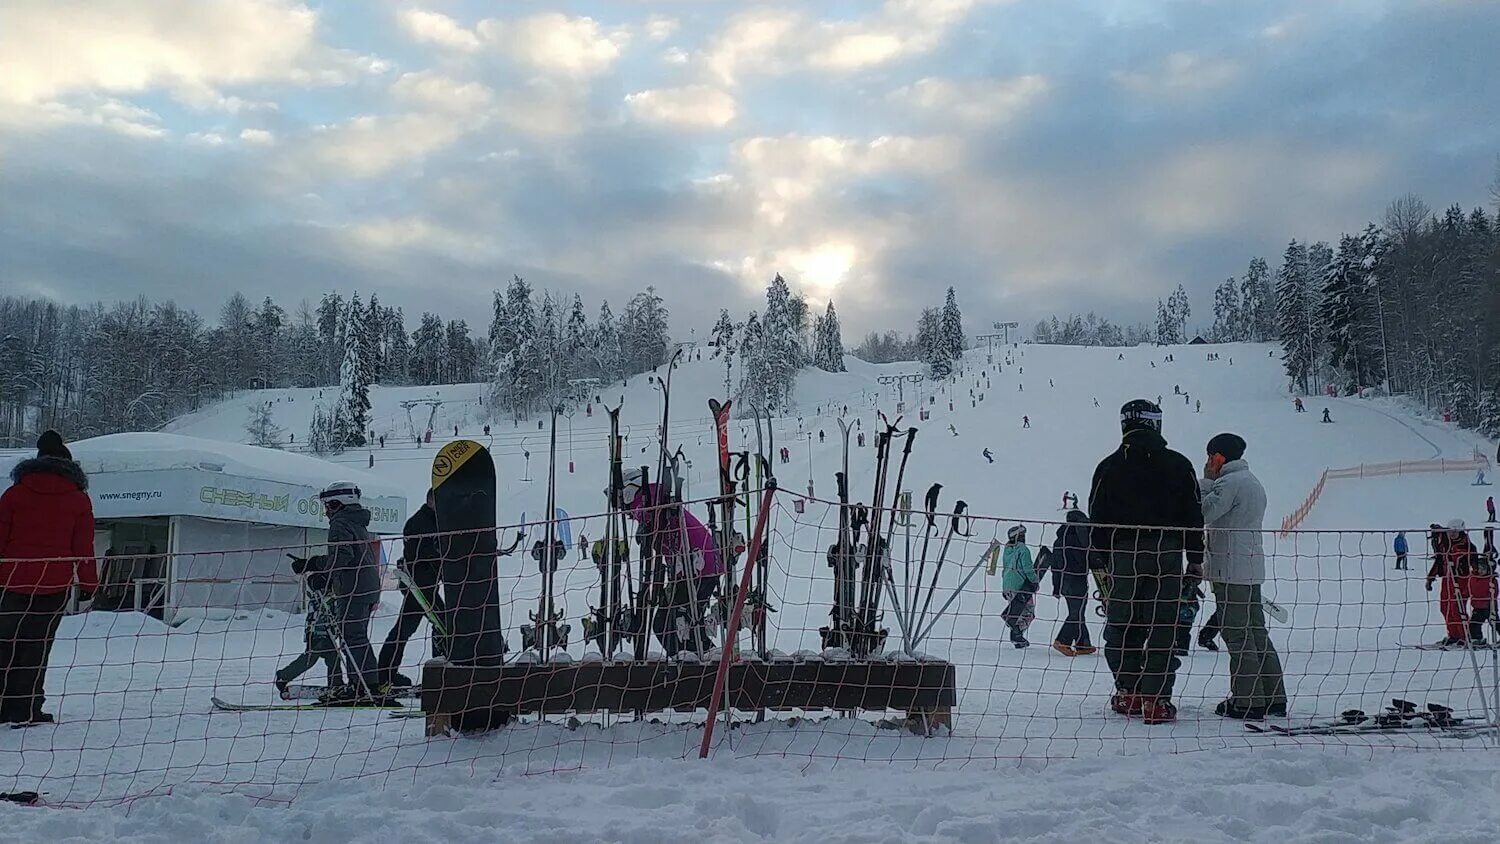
point(1125, 703)
point(1157, 710)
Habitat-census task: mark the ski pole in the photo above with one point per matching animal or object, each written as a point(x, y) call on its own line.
point(953, 530)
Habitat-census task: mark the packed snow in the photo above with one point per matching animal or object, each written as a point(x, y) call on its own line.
point(138, 745)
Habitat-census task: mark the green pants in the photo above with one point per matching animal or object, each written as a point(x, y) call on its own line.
point(1254, 668)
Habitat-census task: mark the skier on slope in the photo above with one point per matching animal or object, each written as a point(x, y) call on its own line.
point(1151, 493)
point(988, 455)
point(422, 561)
point(694, 566)
point(1070, 581)
point(1401, 548)
point(1018, 584)
point(353, 586)
point(1489, 507)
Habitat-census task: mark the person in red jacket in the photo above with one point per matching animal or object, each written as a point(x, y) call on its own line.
point(1455, 559)
point(46, 545)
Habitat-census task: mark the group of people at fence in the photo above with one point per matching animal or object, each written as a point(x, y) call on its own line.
point(1145, 546)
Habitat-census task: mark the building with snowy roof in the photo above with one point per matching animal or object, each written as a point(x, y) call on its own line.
point(187, 526)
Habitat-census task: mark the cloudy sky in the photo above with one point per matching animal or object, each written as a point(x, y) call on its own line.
point(1039, 155)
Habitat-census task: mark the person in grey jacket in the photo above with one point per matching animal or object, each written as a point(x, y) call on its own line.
point(1234, 509)
point(353, 588)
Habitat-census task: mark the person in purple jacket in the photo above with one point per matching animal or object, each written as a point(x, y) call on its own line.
point(677, 541)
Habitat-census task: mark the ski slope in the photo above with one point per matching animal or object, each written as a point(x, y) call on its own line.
point(135, 717)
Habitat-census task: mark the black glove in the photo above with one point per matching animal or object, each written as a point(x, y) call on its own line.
point(1429, 586)
point(299, 564)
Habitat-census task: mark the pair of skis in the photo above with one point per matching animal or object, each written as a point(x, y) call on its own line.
point(547, 629)
point(1400, 715)
point(865, 636)
point(608, 624)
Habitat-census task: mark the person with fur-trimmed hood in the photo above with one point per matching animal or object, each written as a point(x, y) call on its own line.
point(1070, 580)
point(46, 546)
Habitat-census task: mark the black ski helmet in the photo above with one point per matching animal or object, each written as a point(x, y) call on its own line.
point(1140, 413)
point(1016, 534)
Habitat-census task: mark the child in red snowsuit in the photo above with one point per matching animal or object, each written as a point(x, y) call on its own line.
point(1467, 595)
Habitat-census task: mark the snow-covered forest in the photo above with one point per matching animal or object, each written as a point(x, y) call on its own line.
point(1409, 306)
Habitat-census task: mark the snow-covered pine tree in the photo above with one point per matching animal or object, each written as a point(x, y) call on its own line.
point(932, 346)
point(952, 321)
point(1227, 320)
point(1349, 317)
point(351, 415)
point(829, 341)
point(320, 432)
point(262, 427)
point(397, 347)
point(753, 376)
point(576, 355)
point(1166, 326)
point(724, 338)
point(801, 329)
point(1179, 309)
point(1295, 319)
point(330, 320)
point(779, 352)
point(643, 332)
point(374, 328)
point(1257, 306)
point(605, 345)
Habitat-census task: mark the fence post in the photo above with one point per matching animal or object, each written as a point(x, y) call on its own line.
point(733, 630)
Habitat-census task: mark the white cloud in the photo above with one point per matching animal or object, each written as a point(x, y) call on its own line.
point(52, 48)
point(898, 29)
point(696, 106)
point(674, 55)
point(431, 90)
point(980, 101)
point(369, 146)
point(556, 43)
point(212, 139)
point(438, 28)
point(109, 113)
point(261, 137)
point(660, 27)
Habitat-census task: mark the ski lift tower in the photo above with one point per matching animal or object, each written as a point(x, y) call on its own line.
point(900, 380)
point(1001, 333)
point(432, 404)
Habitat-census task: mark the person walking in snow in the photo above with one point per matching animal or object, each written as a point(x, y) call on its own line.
point(1401, 548)
point(46, 546)
point(1070, 580)
point(1297, 405)
point(317, 638)
point(422, 561)
point(1234, 509)
point(1152, 492)
point(1018, 584)
point(988, 456)
point(1489, 507)
point(1198, 406)
point(353, 587)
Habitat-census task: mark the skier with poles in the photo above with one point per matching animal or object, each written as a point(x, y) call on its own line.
point(354, 590)
point(1147, 516)
point(317, 634)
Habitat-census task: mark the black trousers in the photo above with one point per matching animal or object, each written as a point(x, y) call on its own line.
point(410, 618)
point(28, 625)
point(679, 614)
point(317, 650)
point(1140, 623)
point(1075, 630)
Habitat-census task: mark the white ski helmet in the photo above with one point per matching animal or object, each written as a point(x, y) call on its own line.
point(632, 483)
point(1016, 534)
point(1456, 526)
point(340, 492)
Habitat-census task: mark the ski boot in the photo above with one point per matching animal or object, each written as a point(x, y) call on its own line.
point(1064, 649)
point(283, 689)
point(1125, 703)
point(1085, 650)
point(1230, 709)
point(1157, 710)
point(338, 696)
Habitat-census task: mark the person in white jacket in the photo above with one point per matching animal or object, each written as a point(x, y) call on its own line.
point(1234, 564)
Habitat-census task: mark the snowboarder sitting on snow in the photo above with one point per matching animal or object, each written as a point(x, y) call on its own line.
point(680, 541)
point(1070, 580)
point(1018, 584)
point(317, 633)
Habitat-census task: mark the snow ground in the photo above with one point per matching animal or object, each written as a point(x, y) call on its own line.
point(135, 718)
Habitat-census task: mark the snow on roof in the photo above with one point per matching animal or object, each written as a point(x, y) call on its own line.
point(136, 452)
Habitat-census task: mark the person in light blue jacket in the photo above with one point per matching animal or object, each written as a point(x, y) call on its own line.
point(1401, 549)
point(1018, 584)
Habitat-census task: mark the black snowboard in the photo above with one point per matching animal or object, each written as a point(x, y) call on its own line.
point(463, 483)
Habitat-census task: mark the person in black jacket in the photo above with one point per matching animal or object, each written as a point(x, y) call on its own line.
point(422, 560)
point(1070, 579)
point(1146, 516)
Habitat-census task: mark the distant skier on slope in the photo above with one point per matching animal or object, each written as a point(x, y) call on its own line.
point(1025, 421)
point(1326, 418)
point(988, 456)
point(1402, 548)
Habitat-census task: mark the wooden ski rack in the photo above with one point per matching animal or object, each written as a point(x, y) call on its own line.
point(468, 698)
